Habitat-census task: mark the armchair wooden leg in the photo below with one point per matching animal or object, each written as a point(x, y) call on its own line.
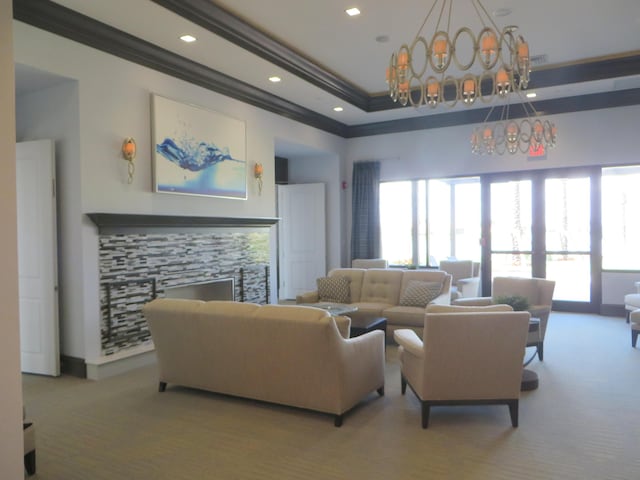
point(403, 384)
point(30, 462)
point(338, 421)
point(540, 351)
point(162, 386)
point(513, 411)
point(381, 391)
point(426, 408)
point(634, 337)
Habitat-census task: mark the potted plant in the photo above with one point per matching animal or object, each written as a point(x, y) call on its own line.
point(517, 302)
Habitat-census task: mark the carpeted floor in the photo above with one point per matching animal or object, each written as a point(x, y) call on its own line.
point(582, 423)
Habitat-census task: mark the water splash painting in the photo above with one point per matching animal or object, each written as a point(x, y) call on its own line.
point(187, 158)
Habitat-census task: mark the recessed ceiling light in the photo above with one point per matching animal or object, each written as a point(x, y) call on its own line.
point(338, 109)
point(275, 79)
point(353, 11)
point(188, 38)
point(532, 95)
point(382, 38)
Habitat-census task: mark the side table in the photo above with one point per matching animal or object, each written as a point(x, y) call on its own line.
point(529, 377)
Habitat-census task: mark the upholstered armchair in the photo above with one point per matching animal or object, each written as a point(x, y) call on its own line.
point(369, 263)
point(632, 300)
point(538, 292)
point(465, 278)
point(467, 356)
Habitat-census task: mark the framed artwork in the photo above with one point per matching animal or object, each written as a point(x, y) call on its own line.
point(197, 151)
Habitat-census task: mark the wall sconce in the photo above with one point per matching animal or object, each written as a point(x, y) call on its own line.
point(257, 173)
point(129, 154)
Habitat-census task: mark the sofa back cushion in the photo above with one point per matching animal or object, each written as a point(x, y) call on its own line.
point(381, 286)
point(355, 275)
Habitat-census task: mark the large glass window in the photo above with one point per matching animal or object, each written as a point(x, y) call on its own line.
point(454, 219)
point(424, 222)
point(396, 222)
point(620, 224)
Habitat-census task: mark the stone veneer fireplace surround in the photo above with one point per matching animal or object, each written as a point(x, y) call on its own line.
point(142, 255)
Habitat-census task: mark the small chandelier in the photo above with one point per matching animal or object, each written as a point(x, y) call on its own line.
point(423, 73)
point(527, 135)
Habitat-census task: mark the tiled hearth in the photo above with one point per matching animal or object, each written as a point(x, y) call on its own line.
point(141, 255)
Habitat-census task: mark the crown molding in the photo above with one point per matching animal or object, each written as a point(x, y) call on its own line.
point(578, 103)
point(70, 24)
point(226, 25)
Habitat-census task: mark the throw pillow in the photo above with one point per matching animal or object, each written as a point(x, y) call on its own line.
point(334, 289)
point(419, 294)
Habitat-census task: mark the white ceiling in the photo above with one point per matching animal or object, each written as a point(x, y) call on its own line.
point(566, 31)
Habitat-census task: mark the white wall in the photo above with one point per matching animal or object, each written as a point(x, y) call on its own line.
point(114, 102)
point(597, 137)
point(11, 449)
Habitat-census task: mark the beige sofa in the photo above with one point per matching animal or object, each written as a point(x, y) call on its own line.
point(386, 293)
point(289, 355)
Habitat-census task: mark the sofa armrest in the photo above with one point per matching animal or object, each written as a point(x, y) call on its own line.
point(307, 297)
point(409, 340)
point(344, 325)
point(362, 364)
point(468, 287)
point(474, 301)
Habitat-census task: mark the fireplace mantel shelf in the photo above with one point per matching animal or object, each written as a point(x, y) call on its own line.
point(106, 221)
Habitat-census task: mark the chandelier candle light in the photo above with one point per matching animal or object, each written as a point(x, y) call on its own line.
point(423, 73)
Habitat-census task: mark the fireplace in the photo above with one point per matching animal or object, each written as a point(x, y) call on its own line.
point(221, 289)
point(142, 257)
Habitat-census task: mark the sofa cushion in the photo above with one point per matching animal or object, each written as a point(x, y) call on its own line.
point(334, 289)
point(419, 294)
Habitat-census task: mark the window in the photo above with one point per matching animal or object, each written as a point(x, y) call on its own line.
point(396, 222)
point(454, 219)
point(415, 231)
point(620, 226)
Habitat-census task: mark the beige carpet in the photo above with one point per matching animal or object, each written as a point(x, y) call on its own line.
point(582, 423)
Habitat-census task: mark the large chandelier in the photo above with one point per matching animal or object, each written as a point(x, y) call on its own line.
point(445, 68)
point(530, 135)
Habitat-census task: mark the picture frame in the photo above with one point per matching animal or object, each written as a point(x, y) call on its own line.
point(197, 151)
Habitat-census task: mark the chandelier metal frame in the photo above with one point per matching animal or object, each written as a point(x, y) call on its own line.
point(513, 135)
point(418, 73)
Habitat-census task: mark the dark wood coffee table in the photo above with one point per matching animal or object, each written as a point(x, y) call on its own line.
point(363, 325)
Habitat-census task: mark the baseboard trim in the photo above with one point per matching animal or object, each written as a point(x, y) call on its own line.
point(121, 362)
point(613, 310)
point(73, 366)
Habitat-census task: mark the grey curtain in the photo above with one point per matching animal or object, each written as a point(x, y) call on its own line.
point(365, 210)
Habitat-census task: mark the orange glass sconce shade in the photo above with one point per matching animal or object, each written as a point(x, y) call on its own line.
point(129, 154)
point(129, 148)
point(258, 170)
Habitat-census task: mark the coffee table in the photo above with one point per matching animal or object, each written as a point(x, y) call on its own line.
point(334, 309)
point(361, 326)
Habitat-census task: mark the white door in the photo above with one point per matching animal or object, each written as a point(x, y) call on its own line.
point(37, 257)
point(302, 252)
